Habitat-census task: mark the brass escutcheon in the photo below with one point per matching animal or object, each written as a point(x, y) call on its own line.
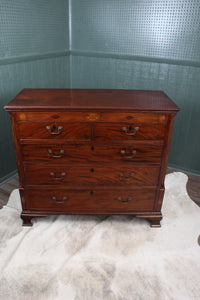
point(93, 117)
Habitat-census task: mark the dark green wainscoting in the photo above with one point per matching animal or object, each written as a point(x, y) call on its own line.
point(181, 83)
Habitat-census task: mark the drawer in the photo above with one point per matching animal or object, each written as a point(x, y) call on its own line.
point(123, 152)
point(90, 116)
point(96, 201)
point(129, 131)
point(92, 174)
point(48, 130)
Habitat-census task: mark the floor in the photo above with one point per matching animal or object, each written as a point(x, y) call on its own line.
point(193, 188)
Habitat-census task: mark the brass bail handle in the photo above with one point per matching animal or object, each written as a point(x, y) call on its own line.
point(62, 175)
point(127, 131)
point(63, 199)
point(124, 154)
point(125, 201)
point(53, 155)
point(52, 130)
point(126, 178)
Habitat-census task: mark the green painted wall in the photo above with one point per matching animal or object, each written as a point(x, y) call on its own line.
point(133, 44)
point(166, 29)
point(34, 40)
point(33, 27)
point(143, 44)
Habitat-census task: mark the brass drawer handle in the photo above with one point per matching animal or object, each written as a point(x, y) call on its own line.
point(125, 130)
point(62, 175)
point(124, 201)
point(52, 130)
point(121, 175)
point(53, 155)
point(123, 153)
point(63, 199)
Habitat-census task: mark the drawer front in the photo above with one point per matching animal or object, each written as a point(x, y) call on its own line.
point(129, 132)
point(90, 174)
point(96, 201)
point(137, 117)
point(48, 130)
point(92, 153)
point(127, 117)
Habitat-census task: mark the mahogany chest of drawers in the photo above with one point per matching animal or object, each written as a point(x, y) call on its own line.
point(91, 151)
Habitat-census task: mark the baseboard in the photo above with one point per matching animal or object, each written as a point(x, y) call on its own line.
point(7, 177)
point(184, 170)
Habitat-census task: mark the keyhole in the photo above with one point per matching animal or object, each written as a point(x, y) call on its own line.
point(92, 148)
point(91, 192)
point(54, 127)
point(92, 170)
point(130, 127)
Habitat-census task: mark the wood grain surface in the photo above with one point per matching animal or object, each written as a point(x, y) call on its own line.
point(92, 174)
point(94, 200)
point(92, 152)
point(95, 99)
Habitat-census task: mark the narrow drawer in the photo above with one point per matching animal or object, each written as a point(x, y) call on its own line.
point(62, 153)
point(91, 174)
point(96, 201)
point(91, 116)
point(134, 131)
point(48, 130)
point(136, 117)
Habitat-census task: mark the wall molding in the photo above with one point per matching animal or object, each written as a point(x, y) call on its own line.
point(192, 63)
point(183, 170)
point(8, 176)
point(32, 57)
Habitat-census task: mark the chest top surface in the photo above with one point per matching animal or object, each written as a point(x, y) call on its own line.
point(91, 99)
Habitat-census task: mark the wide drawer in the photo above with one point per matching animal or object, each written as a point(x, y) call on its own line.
point(92, 174)
point(123, 152)
point(60, 130)
point(122, 131)
point(96, 201)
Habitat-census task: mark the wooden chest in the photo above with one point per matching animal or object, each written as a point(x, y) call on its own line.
point(91, 151)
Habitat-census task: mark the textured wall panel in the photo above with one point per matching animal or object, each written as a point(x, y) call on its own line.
point(181, 83)
point(33, 26)
point(30, 29)
point(47, 73)
point(167, 29)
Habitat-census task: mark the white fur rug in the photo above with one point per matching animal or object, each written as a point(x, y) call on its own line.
point(99, 258)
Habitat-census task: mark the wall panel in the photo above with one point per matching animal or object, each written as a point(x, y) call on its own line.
point(165, 29)
point(33, 27)
point(46, 73)
point(34, 40)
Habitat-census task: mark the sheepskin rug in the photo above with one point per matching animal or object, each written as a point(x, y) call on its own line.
point(103, 258)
